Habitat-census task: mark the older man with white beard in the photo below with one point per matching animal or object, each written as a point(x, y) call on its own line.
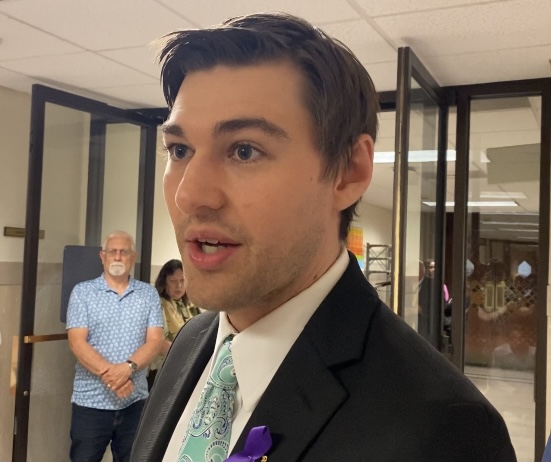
point(114, 326)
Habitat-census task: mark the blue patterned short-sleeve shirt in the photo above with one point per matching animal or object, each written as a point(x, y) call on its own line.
point(117, 327)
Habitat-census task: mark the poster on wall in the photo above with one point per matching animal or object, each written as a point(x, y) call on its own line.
point(355, 244)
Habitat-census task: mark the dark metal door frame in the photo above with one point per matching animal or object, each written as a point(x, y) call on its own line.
point(462, 97)
point(102, 114)
point(410, 67)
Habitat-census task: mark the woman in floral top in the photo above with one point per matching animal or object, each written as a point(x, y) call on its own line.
point(177, 308)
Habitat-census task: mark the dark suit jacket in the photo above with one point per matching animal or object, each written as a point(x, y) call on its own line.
point(358, 384)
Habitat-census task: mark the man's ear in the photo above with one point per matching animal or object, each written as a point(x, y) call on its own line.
point(352, 181)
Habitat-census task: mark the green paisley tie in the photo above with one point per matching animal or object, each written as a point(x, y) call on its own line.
point(208, 435)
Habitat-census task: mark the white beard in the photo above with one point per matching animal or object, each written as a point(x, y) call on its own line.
point(117, 269)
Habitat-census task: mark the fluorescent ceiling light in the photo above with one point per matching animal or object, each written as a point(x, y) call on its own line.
point(388, 157)
point(477, 203)
point(518, 230)
point(502, 195)
point(528, 224)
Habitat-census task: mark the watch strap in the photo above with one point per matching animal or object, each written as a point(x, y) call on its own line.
point(132, 365)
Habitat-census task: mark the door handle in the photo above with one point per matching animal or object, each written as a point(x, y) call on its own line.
point(44, 338)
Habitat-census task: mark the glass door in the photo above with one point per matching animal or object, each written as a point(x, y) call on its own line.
point(419, 194)
point(500, 215)
point(91, 167)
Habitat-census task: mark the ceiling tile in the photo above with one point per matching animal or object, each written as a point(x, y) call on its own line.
point(491, 66)
point(17, 40)
point(363, 40)
point(211, 12)
point(460, 42)
point(99, 24)
point(384, 75)
point(82, 70)
point(136, 96)
point(389, 7)
point(513, 24)
point(15, 81)
point(142, 59)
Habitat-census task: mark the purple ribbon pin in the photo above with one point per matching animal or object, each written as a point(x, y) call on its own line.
point(257, 444)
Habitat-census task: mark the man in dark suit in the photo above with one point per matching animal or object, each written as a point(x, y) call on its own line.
point(270, 144)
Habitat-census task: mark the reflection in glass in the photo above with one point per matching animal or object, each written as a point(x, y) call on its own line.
point(419, 296)
point(502, 245)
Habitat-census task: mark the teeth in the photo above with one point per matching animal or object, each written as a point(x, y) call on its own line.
point(214, 242)
point(209, 249)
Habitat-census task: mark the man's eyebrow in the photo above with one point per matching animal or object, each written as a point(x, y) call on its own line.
point(234, 125)
point(172, 129)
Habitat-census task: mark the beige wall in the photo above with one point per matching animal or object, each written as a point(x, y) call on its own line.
point(14, 137)
point(14, 148)
point(376, 223)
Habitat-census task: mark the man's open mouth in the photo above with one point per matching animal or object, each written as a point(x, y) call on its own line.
point(212, 246)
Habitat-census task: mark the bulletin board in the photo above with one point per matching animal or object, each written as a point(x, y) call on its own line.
point(355, 244)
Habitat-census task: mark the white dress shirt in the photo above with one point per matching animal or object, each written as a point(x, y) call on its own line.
point(257, 353)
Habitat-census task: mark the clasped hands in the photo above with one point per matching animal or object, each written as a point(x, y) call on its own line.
point(117, 378)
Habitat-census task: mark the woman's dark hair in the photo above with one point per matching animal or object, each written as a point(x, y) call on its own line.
point(166, 270)
point(339, 93)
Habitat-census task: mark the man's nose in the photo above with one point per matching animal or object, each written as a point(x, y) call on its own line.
point(201, 184)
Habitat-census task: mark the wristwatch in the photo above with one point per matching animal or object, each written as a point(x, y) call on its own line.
point(132, 365)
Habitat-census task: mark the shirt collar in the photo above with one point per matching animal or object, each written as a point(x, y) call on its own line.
point(259, 350)
point(103, 286)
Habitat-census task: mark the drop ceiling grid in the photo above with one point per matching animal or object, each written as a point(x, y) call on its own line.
point(366, 43)
point(209, 12)
point(393, 7)
point(142, 59)
point(467, 29)
point(141, 96)
point(99, 24)
point(120, 31)
point(480, 67)
point(86, 70)
point(22, 41)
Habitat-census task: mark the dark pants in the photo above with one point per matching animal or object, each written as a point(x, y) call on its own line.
point(92, 430)
point(151, 379)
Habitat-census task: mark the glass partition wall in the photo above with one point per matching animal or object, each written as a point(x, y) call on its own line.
point(88, 169)
point(501, 270)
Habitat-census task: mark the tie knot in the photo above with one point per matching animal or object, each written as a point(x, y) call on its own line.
point(223, 372)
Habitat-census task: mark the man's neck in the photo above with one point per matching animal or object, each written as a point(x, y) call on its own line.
point(117, 284)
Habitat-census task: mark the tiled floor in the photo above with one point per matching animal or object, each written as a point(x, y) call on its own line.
point(512, 393)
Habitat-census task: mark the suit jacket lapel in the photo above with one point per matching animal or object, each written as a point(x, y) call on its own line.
point(305, 392)
point(298, 401)
point(173, 386)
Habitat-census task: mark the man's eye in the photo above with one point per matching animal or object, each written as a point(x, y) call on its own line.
point(245, 152)
point(177, 152)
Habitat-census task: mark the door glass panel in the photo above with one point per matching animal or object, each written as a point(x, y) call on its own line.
point(449, 230)
point(420, 244)
point(122, 163)
point(502, 265)
point(63, 220)
point(62, 217)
